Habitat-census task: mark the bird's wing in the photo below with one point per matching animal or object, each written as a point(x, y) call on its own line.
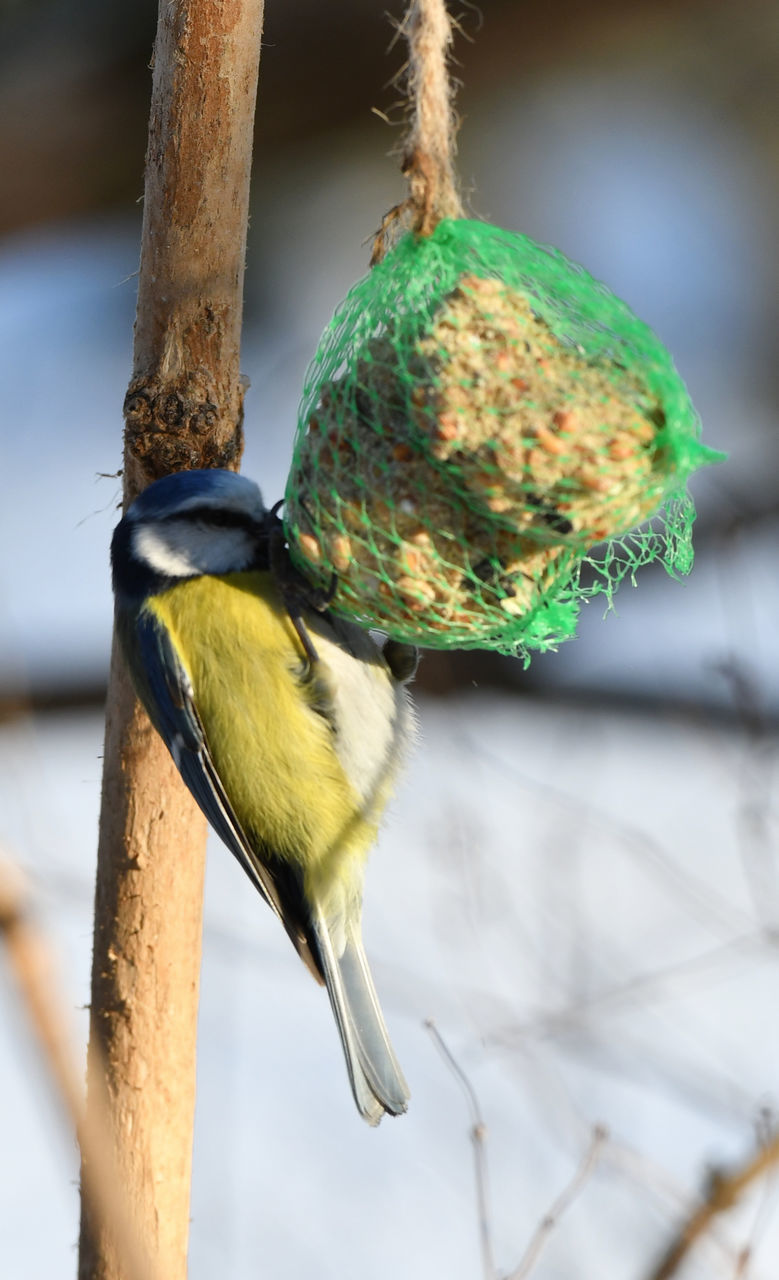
point(172, 708)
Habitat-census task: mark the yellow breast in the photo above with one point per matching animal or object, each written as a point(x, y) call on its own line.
point(273, 752)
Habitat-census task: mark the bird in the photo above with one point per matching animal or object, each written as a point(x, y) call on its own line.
point(288, 724)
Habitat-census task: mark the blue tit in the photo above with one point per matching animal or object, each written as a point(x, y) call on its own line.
point(287, 724)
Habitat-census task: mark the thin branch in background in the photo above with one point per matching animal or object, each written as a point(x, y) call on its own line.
point(34, 968)
point(725, 1189)
point(705, 904)
point(561, 1205)
point(669, 1197)
point(766, 1131)
point(478, 1135)
point(655, 986)
point(756, 779)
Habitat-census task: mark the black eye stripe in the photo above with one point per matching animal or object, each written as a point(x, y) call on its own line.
point(216, 517)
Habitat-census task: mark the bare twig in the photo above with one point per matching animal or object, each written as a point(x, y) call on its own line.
point(703, 900)
point(724, 1190)
point(478, 1135)
point(670, 1198)
point(756, 780)
point(560, 1206)
point(765, 1129)
point(651, 986)
point(35, 971)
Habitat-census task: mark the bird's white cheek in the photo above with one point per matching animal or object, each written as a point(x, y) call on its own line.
point(153, 546)
point(180, 548)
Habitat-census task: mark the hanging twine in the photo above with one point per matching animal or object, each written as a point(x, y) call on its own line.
point(428, 152)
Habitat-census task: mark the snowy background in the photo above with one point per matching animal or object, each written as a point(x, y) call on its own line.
point(578, 879)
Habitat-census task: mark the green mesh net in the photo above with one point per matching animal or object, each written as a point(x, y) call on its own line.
point(487, 436)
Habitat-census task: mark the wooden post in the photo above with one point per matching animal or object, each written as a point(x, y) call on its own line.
point(183, 409)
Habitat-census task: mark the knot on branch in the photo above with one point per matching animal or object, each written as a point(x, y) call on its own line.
point(179, 424)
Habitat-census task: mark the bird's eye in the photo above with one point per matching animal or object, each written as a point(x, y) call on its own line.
point(213, 518)
point(221, 519)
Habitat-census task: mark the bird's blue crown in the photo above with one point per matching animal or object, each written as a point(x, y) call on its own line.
point(186, 489)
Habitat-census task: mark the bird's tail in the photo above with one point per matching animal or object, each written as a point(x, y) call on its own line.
point(376, 1079)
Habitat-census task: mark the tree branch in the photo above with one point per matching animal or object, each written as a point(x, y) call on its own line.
point(183, 410)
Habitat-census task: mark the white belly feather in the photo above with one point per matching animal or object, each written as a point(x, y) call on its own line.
point(373, 712)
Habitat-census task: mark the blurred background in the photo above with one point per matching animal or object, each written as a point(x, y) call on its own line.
point(578, 879)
